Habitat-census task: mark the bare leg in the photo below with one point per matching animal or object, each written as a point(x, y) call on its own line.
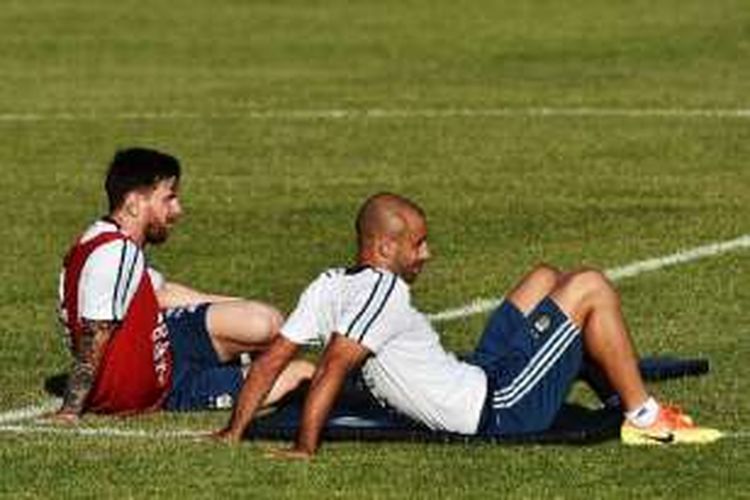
point(594, 305)
point(241, 326)
point(533, 287)
point(293, 375)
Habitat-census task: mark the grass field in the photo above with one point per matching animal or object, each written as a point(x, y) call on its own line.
point(245, 93)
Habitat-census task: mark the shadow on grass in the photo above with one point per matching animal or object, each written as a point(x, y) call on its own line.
point(55, 385)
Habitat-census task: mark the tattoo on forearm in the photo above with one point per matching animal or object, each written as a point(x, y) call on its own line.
point(88, 354)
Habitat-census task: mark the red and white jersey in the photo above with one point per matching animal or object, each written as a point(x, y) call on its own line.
point(105, 278)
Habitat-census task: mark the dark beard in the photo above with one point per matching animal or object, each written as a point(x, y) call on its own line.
point(156, 235)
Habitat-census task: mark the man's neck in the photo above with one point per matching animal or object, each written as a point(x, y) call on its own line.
point(129, 226)
point(370, 260)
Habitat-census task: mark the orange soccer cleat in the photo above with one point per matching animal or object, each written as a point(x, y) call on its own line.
point(672, 426)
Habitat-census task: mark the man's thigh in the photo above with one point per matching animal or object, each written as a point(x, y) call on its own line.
point(531, 362)
point(241, 326)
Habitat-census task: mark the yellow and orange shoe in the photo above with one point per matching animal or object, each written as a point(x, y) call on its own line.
point(672, 426)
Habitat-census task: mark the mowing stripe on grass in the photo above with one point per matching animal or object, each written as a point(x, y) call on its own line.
point(475, 307)
point(356, 114)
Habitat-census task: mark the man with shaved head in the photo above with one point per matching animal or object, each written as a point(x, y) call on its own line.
point(386, 219)
point(514, 382)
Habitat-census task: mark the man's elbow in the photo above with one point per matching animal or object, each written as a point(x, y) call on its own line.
point(165, 296)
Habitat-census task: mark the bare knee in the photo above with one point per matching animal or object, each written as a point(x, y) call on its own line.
point(546, 275)
point(275, 320)
point(591, 283)
point(582, 290)
point(533, 287)
point(262, 318)
point(242, 326)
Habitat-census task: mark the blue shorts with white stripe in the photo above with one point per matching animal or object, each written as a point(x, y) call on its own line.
point(531, 362)
point(200, 381)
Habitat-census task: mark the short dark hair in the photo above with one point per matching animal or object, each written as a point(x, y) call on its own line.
point(137, 168)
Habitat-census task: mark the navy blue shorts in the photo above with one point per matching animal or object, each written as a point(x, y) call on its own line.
point(200, 380)
point(531, 362)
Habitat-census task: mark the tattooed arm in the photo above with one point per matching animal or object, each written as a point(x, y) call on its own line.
point(88, 354)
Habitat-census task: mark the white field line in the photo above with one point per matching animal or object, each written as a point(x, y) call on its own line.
point(101, 431)
point(477, 306)
point(737, 434)
point(29, 412)
point(394, 113)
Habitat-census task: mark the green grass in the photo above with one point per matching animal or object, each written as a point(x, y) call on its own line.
point(270, 202)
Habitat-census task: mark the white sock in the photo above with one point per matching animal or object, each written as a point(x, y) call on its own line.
point(645, 414)
point(245, 362)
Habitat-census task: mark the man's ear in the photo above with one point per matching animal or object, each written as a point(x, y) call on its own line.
point(386, 247)
point(132, 204)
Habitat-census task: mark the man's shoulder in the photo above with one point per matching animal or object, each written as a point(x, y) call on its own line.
point(358, 276)
point(99, 228)
point(331, 273)
point(375, 285)
point(106, 237)
point(350, 282)
point(103, 248)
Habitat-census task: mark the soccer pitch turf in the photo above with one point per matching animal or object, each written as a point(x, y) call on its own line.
point(571, 132)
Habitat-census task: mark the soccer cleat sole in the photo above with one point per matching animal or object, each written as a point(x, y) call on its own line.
point(699, 435)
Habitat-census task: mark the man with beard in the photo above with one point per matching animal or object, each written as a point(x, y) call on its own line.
point(140, 342)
